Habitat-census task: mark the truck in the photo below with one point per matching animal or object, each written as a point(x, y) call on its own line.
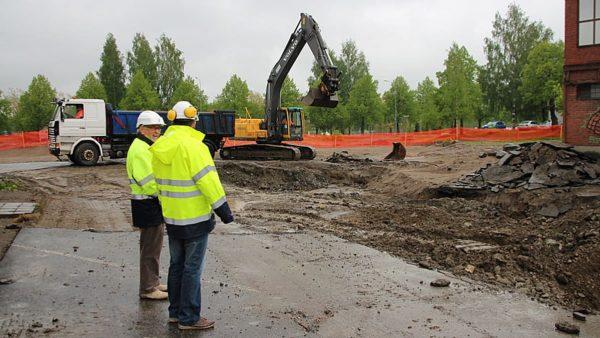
point(87, 130)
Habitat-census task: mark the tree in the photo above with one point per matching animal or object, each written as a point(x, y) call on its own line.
point(542, 78)
point(256, 104)
point(189, 91)
point(353, 65)
point(399, 102)
point(169, 66)
point(364, 105)
point(290, 95)
point(6, 114)
point(91, 88)
point(112, 71)
point(140, 95)
point(459, 93)
point(427, 113)
point(234, 95)
point(142, 58)
point(35, 105)
point(506, 50)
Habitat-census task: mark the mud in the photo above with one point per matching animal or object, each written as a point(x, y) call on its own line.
point(500, 238)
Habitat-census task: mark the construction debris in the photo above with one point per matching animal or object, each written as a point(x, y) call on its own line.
point(344, 157)
point(398, 152)
point(567, 327)
point(16, 208)
point(533, 166)
point(440, 283)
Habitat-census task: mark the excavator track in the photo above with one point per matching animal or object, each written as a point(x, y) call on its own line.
point(285, 152)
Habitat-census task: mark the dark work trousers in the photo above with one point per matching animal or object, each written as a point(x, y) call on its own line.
point(151, 241)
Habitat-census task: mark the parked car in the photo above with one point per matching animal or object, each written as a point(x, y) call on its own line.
point(528, 124)
point(494, 125)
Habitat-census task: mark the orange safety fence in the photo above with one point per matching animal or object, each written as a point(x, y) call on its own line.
point(24, 140)
point(425, 137)
point(40, 138)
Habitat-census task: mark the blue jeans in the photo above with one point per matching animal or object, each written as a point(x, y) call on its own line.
point(185, 270)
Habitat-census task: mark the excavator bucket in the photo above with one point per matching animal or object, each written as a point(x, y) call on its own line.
point(398, 153)
point(317, 99)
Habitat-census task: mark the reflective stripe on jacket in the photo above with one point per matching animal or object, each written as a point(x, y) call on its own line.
point(189, 188)
point(139, 171)
point(145, 209)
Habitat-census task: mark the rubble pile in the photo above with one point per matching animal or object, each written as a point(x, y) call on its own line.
point(345, 157)
point(533, 166)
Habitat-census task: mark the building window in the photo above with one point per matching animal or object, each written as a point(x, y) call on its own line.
point(588, 91)
point(589, 22)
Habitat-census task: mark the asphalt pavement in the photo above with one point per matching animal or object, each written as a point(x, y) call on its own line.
point(80, 283)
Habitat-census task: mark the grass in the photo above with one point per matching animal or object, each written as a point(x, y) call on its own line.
point(8, 185)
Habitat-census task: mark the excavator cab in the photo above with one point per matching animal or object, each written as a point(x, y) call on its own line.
point(292, 122)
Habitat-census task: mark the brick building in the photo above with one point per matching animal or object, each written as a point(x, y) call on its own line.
point(582, 72)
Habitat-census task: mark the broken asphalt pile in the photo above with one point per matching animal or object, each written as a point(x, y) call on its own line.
point(345, 157)
point(533, 166)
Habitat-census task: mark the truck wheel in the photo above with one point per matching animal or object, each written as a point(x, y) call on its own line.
point(212, 147)
point(86, 154)
point(73, 159)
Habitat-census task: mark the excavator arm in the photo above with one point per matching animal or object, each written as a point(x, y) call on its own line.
point(306, 32)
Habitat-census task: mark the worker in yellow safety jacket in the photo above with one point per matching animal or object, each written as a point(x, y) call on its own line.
point(145, 207)
point(190, 193)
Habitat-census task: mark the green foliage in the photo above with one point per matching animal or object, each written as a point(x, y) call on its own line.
point(364, 105)
point(234, 96)
point(112, 71)
point(506, 50)
point(169, 65)
point(6, 114)
point(256, 105)
point(91, 88)
point(8, 185)
point(427, 113)
point(140, 95)
point(459, 93)
point(542, 76)
point(189, 91)
point(142, 58)
point(290, 95)
point(35, 105)
point(353, 65)
point(399, 99)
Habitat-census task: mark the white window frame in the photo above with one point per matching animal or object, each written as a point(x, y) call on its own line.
point(595, 21)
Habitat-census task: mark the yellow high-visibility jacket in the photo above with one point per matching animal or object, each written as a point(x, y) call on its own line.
point(189, 188)
point(145, 209)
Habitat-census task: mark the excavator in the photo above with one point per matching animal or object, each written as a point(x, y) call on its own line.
point(282, 124)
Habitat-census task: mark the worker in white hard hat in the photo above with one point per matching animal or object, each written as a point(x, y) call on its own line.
point(145, 207)
point(190, 194)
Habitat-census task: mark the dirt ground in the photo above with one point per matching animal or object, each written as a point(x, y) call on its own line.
point(496, 238)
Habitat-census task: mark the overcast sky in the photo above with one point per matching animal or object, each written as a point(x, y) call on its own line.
point(63, 39)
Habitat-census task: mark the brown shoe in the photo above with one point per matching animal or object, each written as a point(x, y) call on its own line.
point(162, 287)
point(202, 324)
point(155, 295)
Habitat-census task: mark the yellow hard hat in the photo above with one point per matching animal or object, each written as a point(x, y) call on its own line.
point(183, 110)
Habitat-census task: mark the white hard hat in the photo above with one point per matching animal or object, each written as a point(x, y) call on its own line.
point(183, 110)
point(149, 118)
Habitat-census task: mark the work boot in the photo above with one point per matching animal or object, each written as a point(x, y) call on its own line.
point(202, 324)
point(155, 295)
point(162, 287)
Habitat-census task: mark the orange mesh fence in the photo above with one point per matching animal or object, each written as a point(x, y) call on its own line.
point(24, 140)
point(425, 137)
point(40, 138)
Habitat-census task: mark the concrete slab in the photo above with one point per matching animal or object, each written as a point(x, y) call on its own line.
point(10, 167)
point(255, 285)
point(17, 208)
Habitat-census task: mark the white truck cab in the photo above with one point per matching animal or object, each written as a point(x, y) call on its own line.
point(78, 129)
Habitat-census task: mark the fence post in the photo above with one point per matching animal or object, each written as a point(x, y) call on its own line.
point(22, 139)
point(334, 141)
point(371, 138)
